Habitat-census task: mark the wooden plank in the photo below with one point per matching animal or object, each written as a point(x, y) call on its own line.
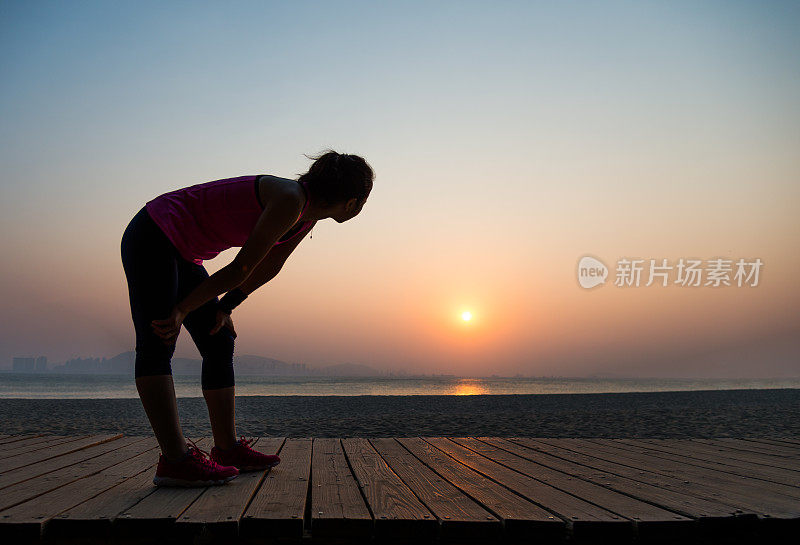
point(729, 455)
point(39, 443)
point(93, 518)
point(31, 488)
point(775, 500)
point(25, 521)
point(397, 512)
point(521, 517)
point(278, 507)
point(779, 451)
point(585, 519)
point(778, 509)
point(662, 487)
point(40, 468)
point(713, 515)
point(790, 440)
point(664, 453)
point(156, 513)
point(719, 464)
point(457, 515)
point(16, 440)
point(785, 460)
point(337, 507)
point(649, 520)
point(32, 443)
point(775, 442)
point(7, 464)
point(696, 456)
point(13, 438)
point(218, 510)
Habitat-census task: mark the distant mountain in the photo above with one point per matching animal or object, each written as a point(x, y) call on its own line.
point(121, 363)
point(259, 365)
point(347, 370)
point(246, 365)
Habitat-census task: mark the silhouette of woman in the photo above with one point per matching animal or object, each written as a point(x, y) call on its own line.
point(163, 248)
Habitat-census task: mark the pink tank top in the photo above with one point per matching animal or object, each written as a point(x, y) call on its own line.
point(204, 219)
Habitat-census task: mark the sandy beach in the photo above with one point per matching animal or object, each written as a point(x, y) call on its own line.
point(732, 413)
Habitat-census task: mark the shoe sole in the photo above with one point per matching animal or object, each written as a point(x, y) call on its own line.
point(170, 481)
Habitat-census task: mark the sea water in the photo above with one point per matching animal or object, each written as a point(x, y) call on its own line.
point(89, 386)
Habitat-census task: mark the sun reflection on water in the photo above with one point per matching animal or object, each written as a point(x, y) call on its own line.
point(468, 388)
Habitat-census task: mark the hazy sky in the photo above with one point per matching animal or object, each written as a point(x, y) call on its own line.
point(509, 139)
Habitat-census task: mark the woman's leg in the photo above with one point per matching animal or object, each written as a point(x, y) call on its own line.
point(221, 412)
point(157, 393)
point(217, 351)
point(150, 265)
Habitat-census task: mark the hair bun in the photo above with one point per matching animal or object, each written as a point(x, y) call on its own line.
point(335, 177)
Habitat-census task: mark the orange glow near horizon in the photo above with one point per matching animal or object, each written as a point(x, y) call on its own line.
point(465, 388)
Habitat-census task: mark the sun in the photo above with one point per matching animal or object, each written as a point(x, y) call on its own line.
point(466, 316)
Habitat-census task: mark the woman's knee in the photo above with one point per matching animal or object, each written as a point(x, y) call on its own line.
point(218, 361)
point(153, 358)
point(217, 374)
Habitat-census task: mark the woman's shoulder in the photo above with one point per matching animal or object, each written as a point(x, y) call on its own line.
point(272, 188)
point(270, 177)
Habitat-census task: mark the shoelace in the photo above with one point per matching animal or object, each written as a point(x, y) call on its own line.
point(202, 456)
point(249, 452)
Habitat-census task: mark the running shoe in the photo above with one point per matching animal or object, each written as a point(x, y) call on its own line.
point(196, 468)
point(244, 458)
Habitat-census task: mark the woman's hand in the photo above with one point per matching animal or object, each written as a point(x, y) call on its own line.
point(223, 319)
point(169, 327)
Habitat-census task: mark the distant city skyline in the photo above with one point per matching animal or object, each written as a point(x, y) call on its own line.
point(248, 365)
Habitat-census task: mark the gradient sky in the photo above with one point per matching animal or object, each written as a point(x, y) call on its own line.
point(508, 140)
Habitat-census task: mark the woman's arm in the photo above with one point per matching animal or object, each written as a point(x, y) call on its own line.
point(277, 218)
point(271, 265)
point(223, 280)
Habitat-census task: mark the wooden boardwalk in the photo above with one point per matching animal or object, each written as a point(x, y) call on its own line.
point(98, 489)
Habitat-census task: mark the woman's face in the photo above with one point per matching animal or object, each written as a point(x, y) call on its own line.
point(348, 210)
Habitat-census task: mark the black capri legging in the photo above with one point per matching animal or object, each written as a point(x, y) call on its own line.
point(158, 279)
